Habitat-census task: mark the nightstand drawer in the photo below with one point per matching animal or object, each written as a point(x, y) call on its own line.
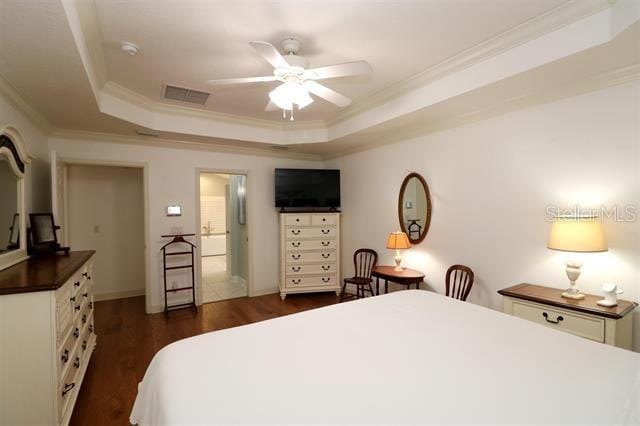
point(581, 325)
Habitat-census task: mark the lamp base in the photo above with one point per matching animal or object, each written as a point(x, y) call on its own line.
point(398, 269)
point(574, 296)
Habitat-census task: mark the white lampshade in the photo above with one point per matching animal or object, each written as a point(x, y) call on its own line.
point(289, 93)
point(577, 234)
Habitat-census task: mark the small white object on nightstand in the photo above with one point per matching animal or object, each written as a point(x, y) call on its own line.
point(611, 293)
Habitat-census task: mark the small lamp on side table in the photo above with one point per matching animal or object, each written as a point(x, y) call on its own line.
point(578, 234)
point(398, 241)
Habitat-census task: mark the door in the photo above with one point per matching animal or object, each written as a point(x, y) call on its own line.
point(228, 235)
point(59, 196)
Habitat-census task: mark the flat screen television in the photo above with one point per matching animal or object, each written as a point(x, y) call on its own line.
point(307, 188)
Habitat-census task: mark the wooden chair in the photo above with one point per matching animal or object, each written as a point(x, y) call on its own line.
point(363, 261)
point(459, 281)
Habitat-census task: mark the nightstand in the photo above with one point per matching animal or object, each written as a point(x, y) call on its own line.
point(584, 318)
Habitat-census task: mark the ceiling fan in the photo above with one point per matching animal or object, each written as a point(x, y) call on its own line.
point(297, 81)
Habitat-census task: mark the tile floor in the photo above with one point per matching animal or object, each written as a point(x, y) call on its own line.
point(216, 285)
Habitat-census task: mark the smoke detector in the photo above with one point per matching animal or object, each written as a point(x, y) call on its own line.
point(129, 48)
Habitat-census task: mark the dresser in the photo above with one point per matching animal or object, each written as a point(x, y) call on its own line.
point(46, 336)
point(309, 253)
point(584, 318)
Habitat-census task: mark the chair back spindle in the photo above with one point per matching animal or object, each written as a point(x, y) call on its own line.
point(363, 261)
point(459, 281)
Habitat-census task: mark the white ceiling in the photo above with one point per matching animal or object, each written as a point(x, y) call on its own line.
point(479, 56)
point(186, 42)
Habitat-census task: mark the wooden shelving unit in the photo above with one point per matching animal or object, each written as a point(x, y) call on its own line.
point(179, 239)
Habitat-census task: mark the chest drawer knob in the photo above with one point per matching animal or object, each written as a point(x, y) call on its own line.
point(325, 231)
point(67, 388)
point(326, 279)
point(326, 255)
point(84, 345)
point(76, 284)
point(295, 268)
point(555, 321)
point(73, 299)
point(296, 281)
point(295, 244)
point(91, 328)
point(76, 363)
point(84, 318)
point(325, 243)
point(326, 267)
point(90, 305)
point(295, 231)
point(295, 256)
point(77, 307)
point(65, 356)
point(76, 332)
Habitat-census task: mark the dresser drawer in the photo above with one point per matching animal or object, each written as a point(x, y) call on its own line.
point(311, 256)
point(64, 314)
point(69, 385)
point(296, 245)
point(294, 232)
point(297, 219)
point(320, 220)
point(560, 319)
point(330, 281)
point(303, 269)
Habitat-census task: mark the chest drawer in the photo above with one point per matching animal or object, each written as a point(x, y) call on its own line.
point(318, 281)
point(297, 219)
point(321, 220)
point(560, 319)
point(311, 256)
point(295, 245)
point(302, 269)
point(327, 231)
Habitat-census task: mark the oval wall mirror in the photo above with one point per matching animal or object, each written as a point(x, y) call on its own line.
point(414, 207)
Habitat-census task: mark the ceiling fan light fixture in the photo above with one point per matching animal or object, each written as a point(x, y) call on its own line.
point(289, 93)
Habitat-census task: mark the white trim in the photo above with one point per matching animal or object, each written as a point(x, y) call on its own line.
point(118, 295)
point(13, 97)
point(266, 291)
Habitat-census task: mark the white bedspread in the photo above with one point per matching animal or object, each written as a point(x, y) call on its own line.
point(407, 357)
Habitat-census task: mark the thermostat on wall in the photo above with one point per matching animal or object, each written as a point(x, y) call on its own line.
point(174, 210)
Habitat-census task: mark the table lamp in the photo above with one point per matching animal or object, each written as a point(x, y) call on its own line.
point(576, 234)
point(398, 241)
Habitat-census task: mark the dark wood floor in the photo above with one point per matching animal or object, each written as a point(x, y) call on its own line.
point(128, 339)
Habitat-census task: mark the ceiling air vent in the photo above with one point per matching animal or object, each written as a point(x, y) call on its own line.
point(182, 94)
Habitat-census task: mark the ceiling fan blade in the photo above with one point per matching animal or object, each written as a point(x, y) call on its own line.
point(270, 53)
point(271, 107)
point(340, 70)
point(245, 80)
point(327, 94)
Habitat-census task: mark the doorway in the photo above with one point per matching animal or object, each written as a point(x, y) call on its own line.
point(223, 236)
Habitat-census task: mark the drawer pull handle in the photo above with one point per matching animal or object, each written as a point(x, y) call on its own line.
point(65, 356)
point(556, 321)
point(295, 268)
point(84, 318)
point(325, 243)
point(325, 231)
point(325, 279)
point(84, 345)
point(324, 219)
point(67, 388)
point(90, 305)
point(73, 299)
point(326, 255)
point(296, 281)
point(76, 332)
point(76, 284)
point(296, 243)
point(77, 307)
point(298, 219)
point(85, 294)
point(295, 256)
point(91, 328)
point(295, 231)
point(76, 363)
point(326, 267)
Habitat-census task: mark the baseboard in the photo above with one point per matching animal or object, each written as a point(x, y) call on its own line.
point(264, 291)
point(118, 295)
point(238, 280)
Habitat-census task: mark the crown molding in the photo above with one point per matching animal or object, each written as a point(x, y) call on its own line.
point(10, 94)
point(150, 105)
point(268, 151)
point(529, 30)
point(610, 78)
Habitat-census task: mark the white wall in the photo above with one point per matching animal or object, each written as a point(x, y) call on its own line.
point(172, 175)
point(490, 182)
point(105, 210)
point(38, 191)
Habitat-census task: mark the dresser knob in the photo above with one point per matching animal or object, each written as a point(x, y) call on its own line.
point(76, 307)
point(295, 244)
point(76, 332)
point(67, 388)
point(295, 268)
point(84, 345)
point(295, 256)
point(325, 279)
point(325, 243)
point(91, 328)
point(84, 318)
point(76, 284)
point(295, 231)
point(326, 267)
point(325, 255)
point(65, 356)
point(296, 281)
point(85, 294)
point(325, 231)
point(76, 363)
point(556, 321)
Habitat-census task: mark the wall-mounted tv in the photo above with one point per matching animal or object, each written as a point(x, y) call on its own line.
point(307, 188)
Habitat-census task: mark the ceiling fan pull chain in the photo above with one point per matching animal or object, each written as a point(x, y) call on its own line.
point(284, 113)
point(291, 114)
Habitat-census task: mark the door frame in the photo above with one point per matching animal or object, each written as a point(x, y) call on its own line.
point(249, 224)
point(77, 161)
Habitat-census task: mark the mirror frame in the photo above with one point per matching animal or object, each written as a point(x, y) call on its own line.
point(12, 146)
point(427, 221)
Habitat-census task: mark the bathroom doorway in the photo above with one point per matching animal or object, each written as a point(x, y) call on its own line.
point(223, 236)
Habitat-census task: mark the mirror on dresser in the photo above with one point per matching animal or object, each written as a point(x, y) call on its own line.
point(13, 163)
point(414, 207)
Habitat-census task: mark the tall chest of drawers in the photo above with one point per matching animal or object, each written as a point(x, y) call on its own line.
point(47, 336)
point(309, 252)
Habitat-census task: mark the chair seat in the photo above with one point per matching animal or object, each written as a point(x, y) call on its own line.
point(358, 280)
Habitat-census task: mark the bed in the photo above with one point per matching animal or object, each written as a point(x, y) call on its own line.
point(407, 357)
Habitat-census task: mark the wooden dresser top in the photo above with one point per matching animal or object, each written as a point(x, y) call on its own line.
point(551, 296)
point(42, 273)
